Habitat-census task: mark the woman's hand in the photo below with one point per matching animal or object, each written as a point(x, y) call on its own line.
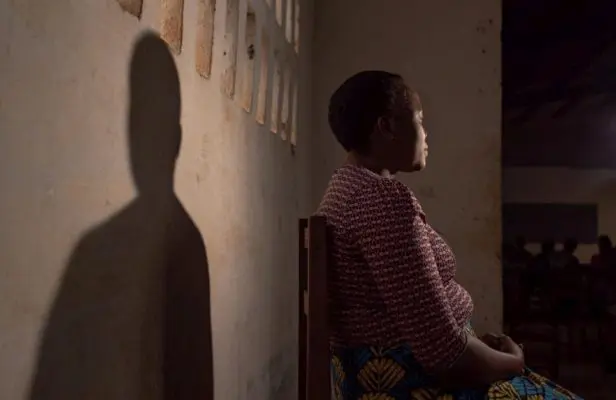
point(510, 347)
point(488, 359)
point(493, 340)
point(505, 344)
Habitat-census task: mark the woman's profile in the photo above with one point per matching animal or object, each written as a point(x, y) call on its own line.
point(400, 323)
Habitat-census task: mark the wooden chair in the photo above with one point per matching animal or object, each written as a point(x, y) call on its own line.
point(529, 319)
point(599, 296)
point(570, 295)
point(314, 353)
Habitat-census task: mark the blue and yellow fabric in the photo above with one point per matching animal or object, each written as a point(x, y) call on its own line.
point(371, 373)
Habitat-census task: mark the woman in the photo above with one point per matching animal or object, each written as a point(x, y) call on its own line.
point(400, 322)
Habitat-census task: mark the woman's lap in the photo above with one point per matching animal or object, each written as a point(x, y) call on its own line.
point(393, 374)
point(529, 386)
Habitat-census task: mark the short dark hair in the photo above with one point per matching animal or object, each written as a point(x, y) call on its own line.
point(360, 101)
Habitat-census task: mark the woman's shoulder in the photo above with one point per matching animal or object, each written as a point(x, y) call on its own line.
point(354, 192)
point(383, 195)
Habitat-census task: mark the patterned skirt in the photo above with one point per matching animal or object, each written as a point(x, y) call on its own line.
point(371, 373)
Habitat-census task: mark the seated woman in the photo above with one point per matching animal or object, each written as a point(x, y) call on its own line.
point(400, 321)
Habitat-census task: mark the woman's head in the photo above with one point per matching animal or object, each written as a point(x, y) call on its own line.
point(375, 115)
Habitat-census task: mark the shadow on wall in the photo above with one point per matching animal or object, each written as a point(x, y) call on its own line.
point(131, 319)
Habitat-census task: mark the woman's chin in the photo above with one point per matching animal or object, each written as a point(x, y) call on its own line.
point(419, 166)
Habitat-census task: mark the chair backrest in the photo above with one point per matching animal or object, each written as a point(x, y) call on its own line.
point(314, 354)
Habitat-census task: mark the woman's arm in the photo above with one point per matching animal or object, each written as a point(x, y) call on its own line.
point(394, 241)
point(480, 365)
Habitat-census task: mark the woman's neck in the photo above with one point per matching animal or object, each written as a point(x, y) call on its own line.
point(367, 162)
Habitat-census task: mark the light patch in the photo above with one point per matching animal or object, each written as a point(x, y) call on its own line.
point(205, 37)
point(279, 12)
point(288, 22)
point(296, 26)
point(230, 50)
point(277, 78)
point(132, 7)
point(286, 106)
point(263, 78)
point(172, 24)
point(248, 60)
point(294, 117)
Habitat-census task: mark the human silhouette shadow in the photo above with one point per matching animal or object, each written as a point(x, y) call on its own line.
point(131, 319)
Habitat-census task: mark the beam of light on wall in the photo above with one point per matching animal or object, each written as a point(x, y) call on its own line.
point(276, 95)
point(248, 60)
point(230, 41)
point(264, 73)
point(172, 24)
point(205, 37)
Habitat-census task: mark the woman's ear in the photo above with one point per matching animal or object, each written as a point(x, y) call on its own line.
point(385, 127)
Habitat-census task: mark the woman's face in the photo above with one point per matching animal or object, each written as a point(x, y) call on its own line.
point(409, 148)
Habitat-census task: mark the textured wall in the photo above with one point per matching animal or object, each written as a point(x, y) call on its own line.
point(566, 186)
point(451, 54)
point(104, 285)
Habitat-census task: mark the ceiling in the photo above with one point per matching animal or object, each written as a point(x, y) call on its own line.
point(557, 51)
point(559, 83)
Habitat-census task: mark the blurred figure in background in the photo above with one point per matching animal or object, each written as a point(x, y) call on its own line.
point(544, 259)
point(566, 257)
point(605, 257)
point(538, 273)
point(520, 255)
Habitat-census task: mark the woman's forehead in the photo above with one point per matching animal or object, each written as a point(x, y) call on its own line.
point(415, 101)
